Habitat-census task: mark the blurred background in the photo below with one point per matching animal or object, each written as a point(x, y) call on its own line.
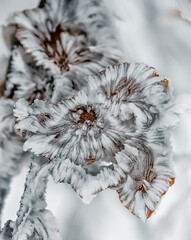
point(156, 33)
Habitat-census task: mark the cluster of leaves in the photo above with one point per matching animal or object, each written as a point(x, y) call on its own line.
point(84, 118)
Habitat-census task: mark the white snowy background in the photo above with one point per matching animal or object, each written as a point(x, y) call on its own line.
point(154, 32)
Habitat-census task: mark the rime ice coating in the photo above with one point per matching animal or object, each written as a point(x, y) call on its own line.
point(113, 134)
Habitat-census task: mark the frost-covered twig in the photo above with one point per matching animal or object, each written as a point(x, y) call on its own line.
point(11, 153)
point(34, 221)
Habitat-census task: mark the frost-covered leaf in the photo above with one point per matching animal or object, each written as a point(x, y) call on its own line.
point(26, 80)
point(61, 36)
point(113, 133)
